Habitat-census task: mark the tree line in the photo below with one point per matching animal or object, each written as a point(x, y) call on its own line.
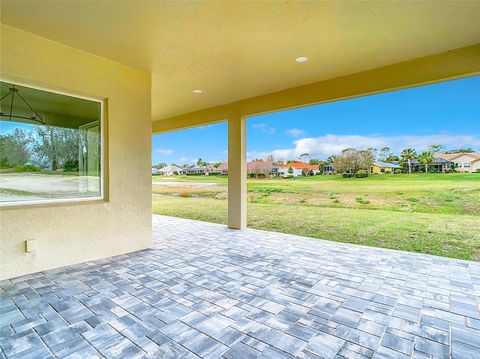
point(44, 148)
point(351, 160)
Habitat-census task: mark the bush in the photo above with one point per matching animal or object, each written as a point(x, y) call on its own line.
point(4, 164)
point(28, 168)
point(347, 175)
point(70, 166)
point(361, 174)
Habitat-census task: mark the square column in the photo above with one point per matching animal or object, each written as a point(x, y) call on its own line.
point(237, 176)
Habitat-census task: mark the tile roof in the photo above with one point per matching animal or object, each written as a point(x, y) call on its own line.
point(386, 164)
point(300, 165)
point(452, 156)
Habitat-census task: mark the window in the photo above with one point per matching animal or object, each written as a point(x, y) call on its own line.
point(458, 164)
point(50, 146)
point(466, 164)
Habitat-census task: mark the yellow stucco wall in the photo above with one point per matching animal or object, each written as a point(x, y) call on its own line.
point(378, 170)
point(74, 233)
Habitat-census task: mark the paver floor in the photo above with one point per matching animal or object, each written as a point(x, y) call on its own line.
point(210, 292)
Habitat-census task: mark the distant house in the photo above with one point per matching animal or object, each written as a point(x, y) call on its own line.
point(199, 170)
point(438, 165)
point(169, 171)
point(196, 170)
point(329, 169)
point(155, 171)
point(379, 167)
point(297, 169)
point(463, 162)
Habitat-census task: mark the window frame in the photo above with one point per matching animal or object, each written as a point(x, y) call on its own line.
point(103, 162)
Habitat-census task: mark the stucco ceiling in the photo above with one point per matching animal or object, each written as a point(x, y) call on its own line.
point(236, 50)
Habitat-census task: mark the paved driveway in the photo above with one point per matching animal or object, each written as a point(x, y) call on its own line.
point(206, 291)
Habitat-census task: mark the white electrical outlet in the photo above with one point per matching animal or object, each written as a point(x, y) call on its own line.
point(30, 245)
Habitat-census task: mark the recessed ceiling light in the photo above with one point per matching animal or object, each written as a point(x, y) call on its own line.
point(197, 91)
point(301, 59)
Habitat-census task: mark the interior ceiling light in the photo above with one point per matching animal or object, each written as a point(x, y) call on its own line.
point(197, 91)
point(8, 101)
point(301, 59)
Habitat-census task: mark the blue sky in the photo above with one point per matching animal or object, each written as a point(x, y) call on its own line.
point(7, 127)
point(446, 113)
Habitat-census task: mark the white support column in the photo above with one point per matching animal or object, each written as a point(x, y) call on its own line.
point(237, 177)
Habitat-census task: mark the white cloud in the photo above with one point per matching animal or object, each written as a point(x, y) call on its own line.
point(184, 160)
point(294, 132)
point(263, 127)
point(331, 144)
point(163, 151)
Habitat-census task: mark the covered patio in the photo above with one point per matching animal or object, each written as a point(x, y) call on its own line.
point(208, 291)
point(85, 277)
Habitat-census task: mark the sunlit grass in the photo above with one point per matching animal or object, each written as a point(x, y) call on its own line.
point(428, 213)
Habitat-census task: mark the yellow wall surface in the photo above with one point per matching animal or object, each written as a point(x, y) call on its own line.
point(83, 231)
point(378, 170)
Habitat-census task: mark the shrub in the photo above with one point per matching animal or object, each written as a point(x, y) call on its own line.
point(361, 200)
point(27, 168)
point(347, 175)
point(4, 164)
point(184, 194)
point(71, 166)
point(361, 174)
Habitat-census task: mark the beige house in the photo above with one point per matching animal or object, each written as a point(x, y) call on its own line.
point(463, 162)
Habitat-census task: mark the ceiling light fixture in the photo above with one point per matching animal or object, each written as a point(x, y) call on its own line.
point(301, 59)
point(9, 100)
point(197, 91)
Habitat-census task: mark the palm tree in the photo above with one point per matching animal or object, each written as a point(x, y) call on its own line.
point(304, 157)
point(436, 148)
point(426, 158)
point(408, 155)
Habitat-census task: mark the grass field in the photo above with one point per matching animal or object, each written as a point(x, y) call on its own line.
point(428, 213)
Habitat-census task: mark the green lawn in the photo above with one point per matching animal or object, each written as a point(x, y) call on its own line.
point(427, 213)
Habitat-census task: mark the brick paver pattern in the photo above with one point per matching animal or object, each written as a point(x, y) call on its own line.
point(210, 292)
